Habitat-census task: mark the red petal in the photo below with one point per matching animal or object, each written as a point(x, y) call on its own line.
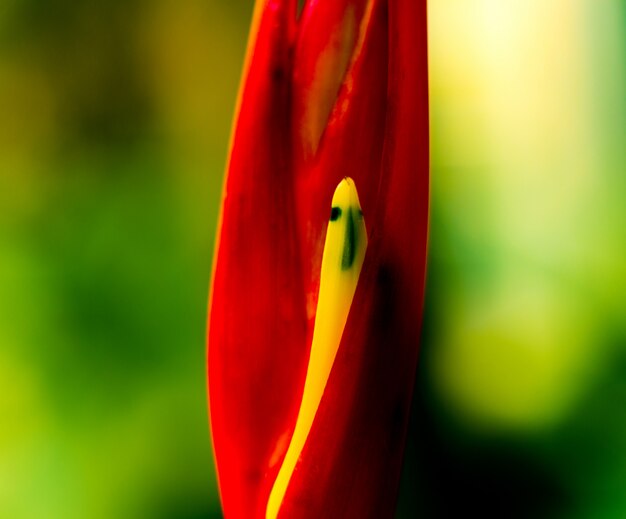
point(269, 259)
point(257, 328)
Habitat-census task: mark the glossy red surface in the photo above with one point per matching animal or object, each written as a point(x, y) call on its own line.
point(275, 209)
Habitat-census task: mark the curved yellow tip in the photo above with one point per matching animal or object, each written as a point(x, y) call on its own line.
point(344, 251)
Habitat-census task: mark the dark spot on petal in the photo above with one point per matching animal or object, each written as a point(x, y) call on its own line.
point(350, 242)
point(335, 214)
point(278, 74)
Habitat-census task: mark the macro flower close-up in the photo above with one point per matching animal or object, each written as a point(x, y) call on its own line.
point(310, 259)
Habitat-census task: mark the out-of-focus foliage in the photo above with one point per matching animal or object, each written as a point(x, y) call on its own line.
point(114, 124)
point(521, 400)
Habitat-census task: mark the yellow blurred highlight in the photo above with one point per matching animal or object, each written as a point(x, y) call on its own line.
point(520, 181)
point(513, 359)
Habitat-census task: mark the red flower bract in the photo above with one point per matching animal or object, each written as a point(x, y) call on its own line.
point(340, 92)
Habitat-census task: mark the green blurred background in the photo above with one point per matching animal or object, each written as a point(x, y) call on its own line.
point(114, 124)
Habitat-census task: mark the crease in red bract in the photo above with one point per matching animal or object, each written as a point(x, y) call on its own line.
point(327, 37)
point(257, 327)
point(277, 199)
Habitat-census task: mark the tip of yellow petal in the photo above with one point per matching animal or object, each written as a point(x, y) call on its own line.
point(344, 252)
